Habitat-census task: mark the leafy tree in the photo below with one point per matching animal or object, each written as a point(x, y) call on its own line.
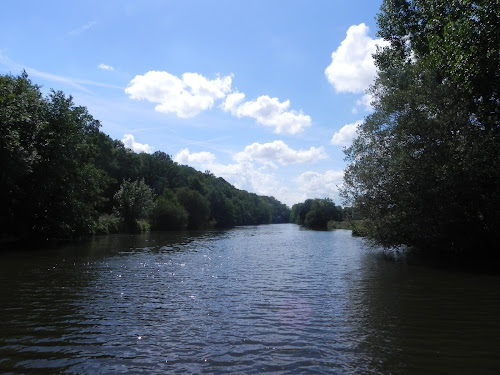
point(22, 110)
point(49, 183)
point(221, 209)
point(67, 185)
point(134, 201)
point(196, 205)
point(168, 215)
point(425, 168)
point(315, 213)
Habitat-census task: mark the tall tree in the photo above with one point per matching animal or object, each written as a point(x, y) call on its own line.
point(425, 167)
point(134, 201)
point(49, 184)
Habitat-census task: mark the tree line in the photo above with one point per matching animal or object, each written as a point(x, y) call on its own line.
point(317, 213)
point(61, 177)
point(424, 169)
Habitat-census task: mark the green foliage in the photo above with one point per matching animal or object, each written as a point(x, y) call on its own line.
point(315, 213)
point(107, 224)
point(424, 170)
point(134, 202)
point(196, 205)
point(61, 177)
point(49, 184)
point(168, 213)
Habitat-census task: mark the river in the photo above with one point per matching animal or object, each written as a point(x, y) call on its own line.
point(272, 299)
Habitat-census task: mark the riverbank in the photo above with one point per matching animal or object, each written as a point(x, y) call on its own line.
point(357, 226)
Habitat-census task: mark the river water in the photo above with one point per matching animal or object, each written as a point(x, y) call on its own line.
point(273, 299)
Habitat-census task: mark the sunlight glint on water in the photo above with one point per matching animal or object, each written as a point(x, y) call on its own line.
point(266, 299)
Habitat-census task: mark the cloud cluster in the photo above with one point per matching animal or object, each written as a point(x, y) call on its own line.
point(315, 184)
point(186, 96)
point(268, 112)
point(346, 134)
point(245, 173)
point(193, 93)
point(278, 151)
point(129, 142)
point(201, 158)
point(352, 68)
point(242, 174)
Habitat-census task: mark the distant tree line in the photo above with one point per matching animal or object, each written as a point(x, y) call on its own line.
point(316, 213)
point(61, 177)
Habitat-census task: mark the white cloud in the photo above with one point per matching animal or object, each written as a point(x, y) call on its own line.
point(278, 151)
point(346, 134)
point(105, 67)
point(129, 142)
point(186, 96)
point(82, 28)
point(186, 157)
point(366, 102)
point(268, 112)
point(232, 102)
point(352, 68)
point(242, 174)
point(317, 185)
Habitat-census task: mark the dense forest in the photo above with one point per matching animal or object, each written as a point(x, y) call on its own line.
point(61, 177)
point(316, 213)
point(424, 169)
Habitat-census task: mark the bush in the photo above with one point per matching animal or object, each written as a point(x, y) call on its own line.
point(168, 215)
point(107, 224)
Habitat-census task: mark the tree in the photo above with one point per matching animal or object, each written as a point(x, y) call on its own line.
point(316, 213)
point(22, 110)
point(134, 201)
point(196, 205)
point(425, 168)
point(168, 213)
point(49, 184)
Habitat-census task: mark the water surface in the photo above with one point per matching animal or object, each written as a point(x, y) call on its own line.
point(273, 299)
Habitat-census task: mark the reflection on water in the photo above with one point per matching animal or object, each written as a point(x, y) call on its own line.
point(266, 299)
point(424, 320)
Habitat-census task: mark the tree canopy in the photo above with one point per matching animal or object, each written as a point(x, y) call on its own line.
point(316, 213)
point(61, 177)
point(424, 169)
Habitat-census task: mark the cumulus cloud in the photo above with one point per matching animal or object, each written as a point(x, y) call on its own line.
point(105, 67)
point(278, 151)
point(346, 134)
point(366, 102)
point(317, 185)
point(186, 96)
point(243, 175)
point(129, 142)
point(268, 112)
point(200, 158)
point(352, 68)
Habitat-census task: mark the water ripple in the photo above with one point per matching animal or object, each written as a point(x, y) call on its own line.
point(254, 300)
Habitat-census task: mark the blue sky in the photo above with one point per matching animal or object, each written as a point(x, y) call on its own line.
point(264, 93)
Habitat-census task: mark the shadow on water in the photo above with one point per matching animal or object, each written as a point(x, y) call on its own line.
point(426, 320)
